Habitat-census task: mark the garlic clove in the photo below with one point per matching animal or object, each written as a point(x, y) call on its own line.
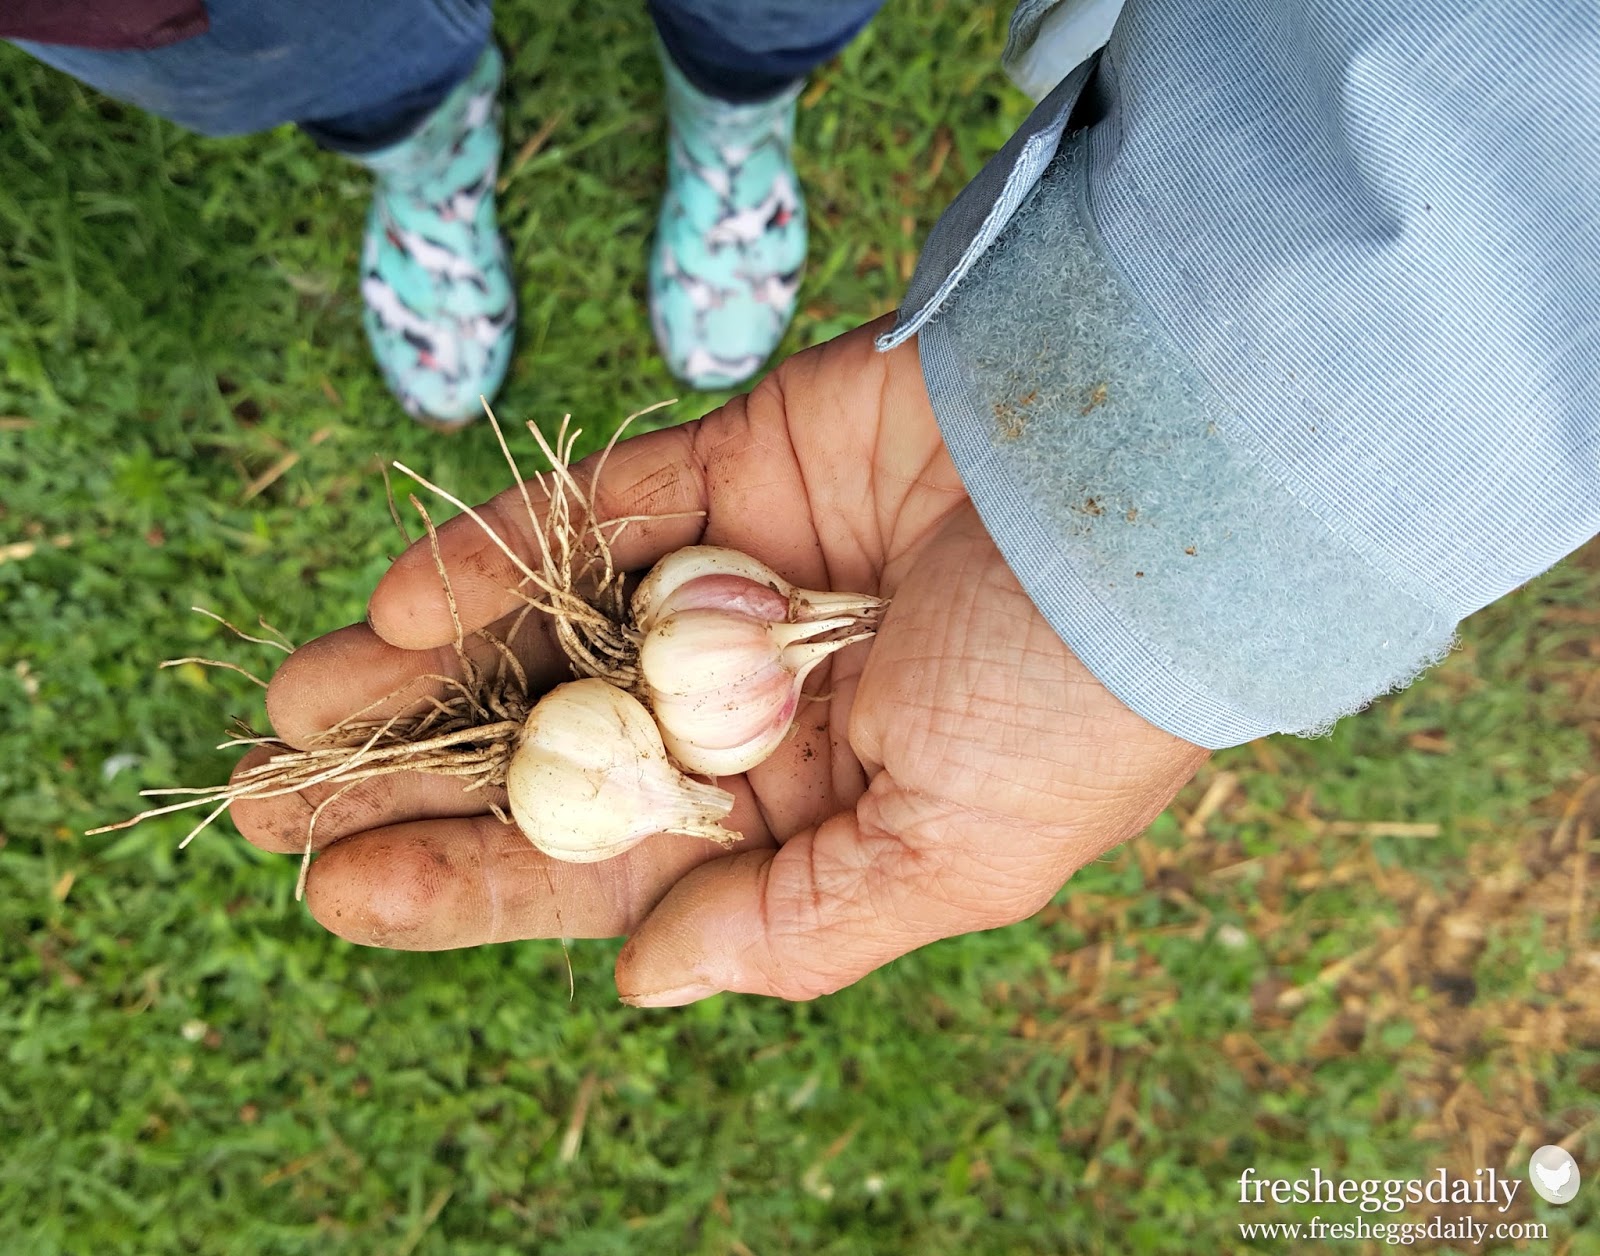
point(693, 562)
point(718, 688)
point(706, 651)
point(754, 745)
point(590, 778)
point(700, 577)
point(733, 595)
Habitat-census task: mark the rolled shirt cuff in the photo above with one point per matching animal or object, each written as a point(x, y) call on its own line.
point(1140, 518)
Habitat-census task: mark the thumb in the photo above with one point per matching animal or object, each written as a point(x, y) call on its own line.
point(836, 902)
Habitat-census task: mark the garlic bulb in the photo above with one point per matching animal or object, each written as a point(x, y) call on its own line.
point(727, 645)
point(590, 778)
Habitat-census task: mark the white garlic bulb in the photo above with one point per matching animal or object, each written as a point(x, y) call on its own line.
point(590, 778)
point(727, 645)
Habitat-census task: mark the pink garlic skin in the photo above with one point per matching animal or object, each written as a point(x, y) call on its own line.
point(733, 594)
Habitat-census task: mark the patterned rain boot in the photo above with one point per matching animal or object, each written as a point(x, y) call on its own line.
point(731, 239)
point(440, 307)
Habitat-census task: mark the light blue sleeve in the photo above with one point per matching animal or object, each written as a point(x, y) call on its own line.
point(1269, 350)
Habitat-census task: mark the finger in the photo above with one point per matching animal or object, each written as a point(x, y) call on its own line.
point(441, 884)
point(655, 474)
point(353, 671)
point(281, 824)
point(834, 903)
point(814, 771)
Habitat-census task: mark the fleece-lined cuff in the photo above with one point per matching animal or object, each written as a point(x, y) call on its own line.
point(1160, 546)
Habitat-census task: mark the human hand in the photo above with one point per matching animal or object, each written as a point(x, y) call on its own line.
point(952, 774)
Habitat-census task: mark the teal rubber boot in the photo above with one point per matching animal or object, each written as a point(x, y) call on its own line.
point(440, 305)
point(730, 242)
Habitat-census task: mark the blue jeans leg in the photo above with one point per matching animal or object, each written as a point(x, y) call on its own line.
point(750, 50)
point(357, 75)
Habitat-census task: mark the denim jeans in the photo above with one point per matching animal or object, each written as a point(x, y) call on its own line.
point(360, 75)
point(747, 50)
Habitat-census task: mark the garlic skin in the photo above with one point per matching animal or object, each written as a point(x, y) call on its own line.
point(726, 646)
point(680, 580)
point(590, 778)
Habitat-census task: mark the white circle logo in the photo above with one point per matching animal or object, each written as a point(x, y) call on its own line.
point(1553, 1173)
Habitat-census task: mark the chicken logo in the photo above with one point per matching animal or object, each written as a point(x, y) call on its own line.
point(1553, 1173)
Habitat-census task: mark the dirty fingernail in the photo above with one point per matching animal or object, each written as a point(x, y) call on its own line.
point(675, 997)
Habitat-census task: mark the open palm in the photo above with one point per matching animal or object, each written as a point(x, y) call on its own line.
point(948, 776)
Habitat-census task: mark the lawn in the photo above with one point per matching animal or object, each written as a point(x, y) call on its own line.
point(1374, 954)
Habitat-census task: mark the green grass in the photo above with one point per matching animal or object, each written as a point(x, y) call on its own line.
point(190, 1065)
